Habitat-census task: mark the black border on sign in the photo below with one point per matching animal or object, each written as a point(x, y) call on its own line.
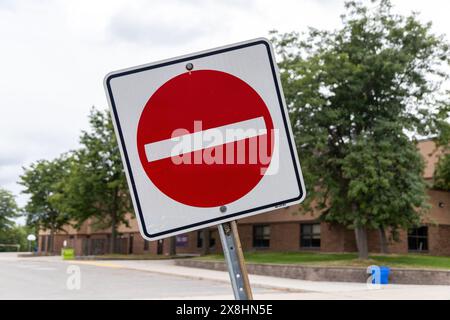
point(202, 55)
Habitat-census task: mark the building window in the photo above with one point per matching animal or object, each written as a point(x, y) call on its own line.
point(212, 241)
point(418, 239)
point(310, 235)
point(146, 245)
point(261, 236)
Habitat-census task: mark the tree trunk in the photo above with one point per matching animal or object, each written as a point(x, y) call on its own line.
point(206, 241)
point(172, 246)
point(361, 242)
point(383, 241)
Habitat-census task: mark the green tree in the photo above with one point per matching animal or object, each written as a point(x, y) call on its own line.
point(96, 187)
point(8, 210)
point(16, 235)
point(386, 185)
point(352, 94)
point(42, 181)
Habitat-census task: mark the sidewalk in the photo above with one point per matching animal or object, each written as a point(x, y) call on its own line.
point(287, 288)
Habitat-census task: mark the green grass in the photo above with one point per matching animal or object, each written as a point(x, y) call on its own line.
point(343, 259)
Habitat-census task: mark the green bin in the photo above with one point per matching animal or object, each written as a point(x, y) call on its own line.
point(68, 253)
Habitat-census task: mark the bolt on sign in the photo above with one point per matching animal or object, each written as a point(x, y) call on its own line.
point(205, 138)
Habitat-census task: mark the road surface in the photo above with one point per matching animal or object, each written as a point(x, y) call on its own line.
point(33, 278)
point(52, 278)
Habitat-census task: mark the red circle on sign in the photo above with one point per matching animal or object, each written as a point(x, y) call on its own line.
point(213, 99)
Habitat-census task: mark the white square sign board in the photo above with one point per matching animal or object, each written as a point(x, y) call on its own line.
point(205, 138)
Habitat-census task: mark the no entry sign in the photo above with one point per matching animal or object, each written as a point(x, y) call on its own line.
point(208, 100)
point(205, 138)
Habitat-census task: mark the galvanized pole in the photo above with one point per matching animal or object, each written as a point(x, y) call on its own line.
point(234, 258)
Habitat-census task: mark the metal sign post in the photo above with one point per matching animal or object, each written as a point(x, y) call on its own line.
point(234, 258)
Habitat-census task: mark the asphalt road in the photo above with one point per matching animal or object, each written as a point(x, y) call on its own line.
point(52, 278)
point(26, 278)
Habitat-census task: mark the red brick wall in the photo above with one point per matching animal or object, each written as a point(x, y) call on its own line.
point(77, 245)
point(373, 238)
point(284, 236)
point(332, 237)
point(39, 243)
point(349, 240)
point(191, 246)
point(439, 240)
point(400, 246)
point(138, 244)
point(246, 236)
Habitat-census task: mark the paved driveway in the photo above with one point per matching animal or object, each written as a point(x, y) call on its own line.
point(52, 278)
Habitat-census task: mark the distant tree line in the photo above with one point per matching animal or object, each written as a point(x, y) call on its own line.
point(11, 234)
point(82, 184)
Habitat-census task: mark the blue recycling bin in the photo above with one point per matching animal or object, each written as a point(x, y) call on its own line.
point(384, 275)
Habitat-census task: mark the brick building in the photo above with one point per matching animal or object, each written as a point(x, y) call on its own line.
point(283, 229)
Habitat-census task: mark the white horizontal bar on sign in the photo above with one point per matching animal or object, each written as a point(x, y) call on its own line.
point(230, 133)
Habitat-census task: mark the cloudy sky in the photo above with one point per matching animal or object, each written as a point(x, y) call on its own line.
point(54, 55)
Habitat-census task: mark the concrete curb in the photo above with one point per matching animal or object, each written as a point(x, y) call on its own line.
point(332, 274)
